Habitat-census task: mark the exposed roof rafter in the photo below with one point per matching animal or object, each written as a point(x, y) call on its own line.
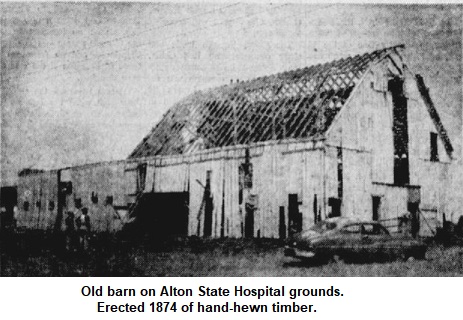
point(294, 104)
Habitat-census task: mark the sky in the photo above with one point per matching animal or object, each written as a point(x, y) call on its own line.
point(85, 82)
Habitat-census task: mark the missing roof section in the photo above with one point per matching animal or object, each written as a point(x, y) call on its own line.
point(295, 104)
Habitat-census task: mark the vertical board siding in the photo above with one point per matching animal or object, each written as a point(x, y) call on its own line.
point(103, 180)
point(232, 216)
point(150, 178)
point(275, 175)
point(433, 176)
point(393, 204)
point(172, 178)
point(224, 182)
point(106, 179)
point(357, 184)
point(197, 184)
point(312, 185)
point(266, 178)
point(278, 170)
point(365, 124)
point(33, 188)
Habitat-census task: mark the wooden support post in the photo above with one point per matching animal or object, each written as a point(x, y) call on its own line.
point(235, 120)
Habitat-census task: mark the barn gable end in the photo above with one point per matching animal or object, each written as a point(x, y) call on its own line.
point(388, 136)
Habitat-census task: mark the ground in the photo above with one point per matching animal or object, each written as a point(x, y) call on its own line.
point(198, 257)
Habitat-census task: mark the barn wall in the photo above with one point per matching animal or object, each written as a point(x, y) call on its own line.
point(101, 180)
point(268, 170)
point(363, 131)
point(357, 200)
point(393, 200)
point(278, 170)
point(105, 179)
point(198, 174)
point(356, 182)
point(170, 178)
point(455, 194)
point(434, 177)
point(365, 124)
point(331, 177)
point(281, 171)
point(188, 174)
point(37, 187)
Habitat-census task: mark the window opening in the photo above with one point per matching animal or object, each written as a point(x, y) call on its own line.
point(400, 132)
point(434, 149)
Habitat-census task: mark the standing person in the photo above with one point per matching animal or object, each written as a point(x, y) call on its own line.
point(415, 224)
point(404, 224)
point(459, 229)
point(112, 219)
point(70, 231)
point(3, 218)
point(83, 224)
point(95, 212)
point(16, 216)
point(77, 215)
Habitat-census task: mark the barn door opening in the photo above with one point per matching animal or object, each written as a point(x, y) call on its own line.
point(294, 216)
point(376, 207)
point(282, 228)
point(335, 204)
point(208, 206)
point(164, 215)
point(141, 177)
point(64, 193)
point(400, 132)
point(413, 209)
point(247, 200)
point(249, 221)
point(8, 200)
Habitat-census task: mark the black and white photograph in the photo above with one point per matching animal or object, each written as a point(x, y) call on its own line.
point(231, 139)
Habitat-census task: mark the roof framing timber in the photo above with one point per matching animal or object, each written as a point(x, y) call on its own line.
point(294, 104)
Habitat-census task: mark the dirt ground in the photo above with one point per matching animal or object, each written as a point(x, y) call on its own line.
point(198, 257)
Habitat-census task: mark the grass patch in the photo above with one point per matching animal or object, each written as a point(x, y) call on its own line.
point(42, 255)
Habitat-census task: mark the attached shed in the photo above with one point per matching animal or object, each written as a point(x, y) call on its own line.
point(45, 196)
point(37, 199)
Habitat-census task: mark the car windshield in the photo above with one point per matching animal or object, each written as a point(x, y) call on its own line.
point(374, 229)
point(323, 226)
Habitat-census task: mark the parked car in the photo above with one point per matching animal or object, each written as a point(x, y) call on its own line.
point(352, 240)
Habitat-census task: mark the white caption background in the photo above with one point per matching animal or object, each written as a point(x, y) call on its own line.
point(363, 298)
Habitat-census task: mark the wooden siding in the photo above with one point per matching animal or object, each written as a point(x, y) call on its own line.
point(357, 181)
point(278, 170)
point(103, 180)
point(42, 187)
point(365, 125)
point(170, 178)
point(107, 179)
point(432, 176)
point(393, 201)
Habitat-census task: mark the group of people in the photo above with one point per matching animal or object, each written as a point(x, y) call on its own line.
point(77, 230)
point(81, 224)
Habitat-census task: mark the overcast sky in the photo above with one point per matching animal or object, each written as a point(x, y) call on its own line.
point(85, 82)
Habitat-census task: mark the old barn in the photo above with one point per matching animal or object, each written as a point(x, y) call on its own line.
point(356, 137)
